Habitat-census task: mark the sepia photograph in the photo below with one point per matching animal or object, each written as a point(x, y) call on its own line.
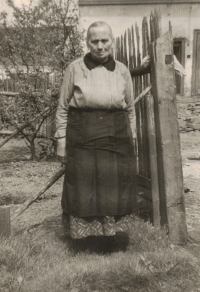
point(99, 146)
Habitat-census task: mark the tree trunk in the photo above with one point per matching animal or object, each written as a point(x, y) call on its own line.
point(33, 152)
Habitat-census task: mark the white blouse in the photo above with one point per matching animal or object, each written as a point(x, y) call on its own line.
point(98, 88)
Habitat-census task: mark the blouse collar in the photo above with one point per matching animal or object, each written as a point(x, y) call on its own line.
point(91, 63)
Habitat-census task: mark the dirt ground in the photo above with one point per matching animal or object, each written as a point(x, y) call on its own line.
point(21, 179)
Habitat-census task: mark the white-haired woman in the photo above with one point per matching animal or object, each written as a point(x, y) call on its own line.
point(96, 131)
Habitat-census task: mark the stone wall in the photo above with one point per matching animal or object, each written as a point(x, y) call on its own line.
point(188, 114)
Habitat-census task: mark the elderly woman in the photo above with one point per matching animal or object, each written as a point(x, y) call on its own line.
point(96, 131)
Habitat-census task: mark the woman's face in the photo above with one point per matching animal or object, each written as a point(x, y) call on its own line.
point(100, 43)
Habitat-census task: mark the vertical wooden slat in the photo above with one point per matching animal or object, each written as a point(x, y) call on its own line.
point(134, 60)
point(130, 46)
point(155, 25)
point(133, 42)
point(145, 48)
point(118, 48)
point(152, 29)
point(122, 49)
point(153, 159)
point(131, 58)
point(145, 146)
point(157, 19)
point(138, 56)
point(138, 44)
point(125, 50)
point(151, 134)
point(139, 113)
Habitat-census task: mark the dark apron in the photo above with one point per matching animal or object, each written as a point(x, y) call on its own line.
point(99, 178)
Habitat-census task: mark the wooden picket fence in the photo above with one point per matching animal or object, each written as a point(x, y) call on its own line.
point(9, 90)
point(159, 170)
point(10, 84)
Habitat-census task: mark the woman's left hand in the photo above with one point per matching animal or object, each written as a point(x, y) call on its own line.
point(146, 62)
point(62, 159)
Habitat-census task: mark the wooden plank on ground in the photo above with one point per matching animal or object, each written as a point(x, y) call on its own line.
point(168, 141)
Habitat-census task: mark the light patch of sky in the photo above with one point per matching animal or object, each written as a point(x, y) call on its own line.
point(4, 6)
point(20, 2)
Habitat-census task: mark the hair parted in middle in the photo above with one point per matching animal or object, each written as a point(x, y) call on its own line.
point(98, 24)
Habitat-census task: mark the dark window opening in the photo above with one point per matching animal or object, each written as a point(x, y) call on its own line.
point(179, 52)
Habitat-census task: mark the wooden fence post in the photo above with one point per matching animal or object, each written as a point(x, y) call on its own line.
point(153, 159)
point(172, 209)
point(5, 229)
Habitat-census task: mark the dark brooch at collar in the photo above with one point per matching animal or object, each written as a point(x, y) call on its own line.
point(91, 63)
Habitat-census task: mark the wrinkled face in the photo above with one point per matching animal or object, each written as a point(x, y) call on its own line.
point(100, 43)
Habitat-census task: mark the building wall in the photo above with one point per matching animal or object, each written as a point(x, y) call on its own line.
point(184, 19)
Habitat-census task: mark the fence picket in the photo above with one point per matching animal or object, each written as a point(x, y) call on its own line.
point(145, 140)
point(122, 48)
point(130, 49)
point(140, 108)
point(133, 39)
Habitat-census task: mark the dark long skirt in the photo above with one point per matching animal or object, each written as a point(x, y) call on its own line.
point(99, 178)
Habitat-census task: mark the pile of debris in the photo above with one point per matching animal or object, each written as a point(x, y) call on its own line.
point(189, 117)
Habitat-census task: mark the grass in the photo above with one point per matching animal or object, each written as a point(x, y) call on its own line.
point(41, 257)
point(45, 259)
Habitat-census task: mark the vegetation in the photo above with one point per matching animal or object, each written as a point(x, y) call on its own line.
point(45, 259)
point(40, 256)
point(36, 46)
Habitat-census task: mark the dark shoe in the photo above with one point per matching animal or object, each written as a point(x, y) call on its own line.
point(121, 241)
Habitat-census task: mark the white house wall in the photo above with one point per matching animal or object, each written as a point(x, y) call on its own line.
point(184, 19)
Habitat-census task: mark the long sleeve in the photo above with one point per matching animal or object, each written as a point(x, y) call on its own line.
point(62, 111)
point(129, 97)
point(139, 70)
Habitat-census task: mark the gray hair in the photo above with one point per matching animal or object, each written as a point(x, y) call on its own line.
point(98, 24)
